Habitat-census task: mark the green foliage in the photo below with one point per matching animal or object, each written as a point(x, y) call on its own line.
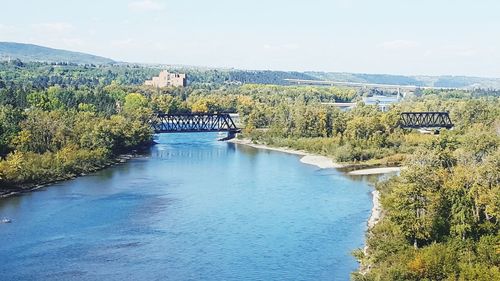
point(135, 101)
point(56, 121)
point(28, 167)
point(55, 144)
point(9, 127)
point(441, 214)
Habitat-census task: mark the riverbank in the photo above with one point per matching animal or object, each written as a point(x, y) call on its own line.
point(319, 161)
point(376, 209)
point(25, 188)
point(324, 162)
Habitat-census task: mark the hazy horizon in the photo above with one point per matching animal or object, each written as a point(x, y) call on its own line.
point(387, 37)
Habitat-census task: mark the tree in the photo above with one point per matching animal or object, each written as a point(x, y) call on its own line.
point(135, 101)
point(9, 127)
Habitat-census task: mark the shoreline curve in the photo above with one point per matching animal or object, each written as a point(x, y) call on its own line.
point(324, 162)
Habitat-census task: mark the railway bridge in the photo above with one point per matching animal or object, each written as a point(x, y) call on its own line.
point(195, 123)
point(424, 120)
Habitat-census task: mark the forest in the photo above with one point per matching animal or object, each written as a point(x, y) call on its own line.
point(440, 215)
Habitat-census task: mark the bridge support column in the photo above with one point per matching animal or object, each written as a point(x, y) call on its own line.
point(230, 135)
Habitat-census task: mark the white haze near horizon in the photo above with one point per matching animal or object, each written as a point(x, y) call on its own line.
point(439, 37)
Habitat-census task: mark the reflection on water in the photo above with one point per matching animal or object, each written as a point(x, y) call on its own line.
point(192, 209)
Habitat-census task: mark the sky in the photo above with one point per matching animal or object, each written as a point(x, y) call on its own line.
point(409, 37)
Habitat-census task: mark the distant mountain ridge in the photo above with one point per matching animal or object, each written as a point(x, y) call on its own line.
point(443, 81)
point(31, 52)
point(204, 75)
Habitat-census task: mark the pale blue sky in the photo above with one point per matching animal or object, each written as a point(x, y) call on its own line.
point(460, 37)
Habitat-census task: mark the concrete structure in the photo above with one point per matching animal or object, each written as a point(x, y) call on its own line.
point(383, 102)
point(397, 88)
point(166, 79)
point(344, 106)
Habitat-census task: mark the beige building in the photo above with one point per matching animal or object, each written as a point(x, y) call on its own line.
point(166, 79)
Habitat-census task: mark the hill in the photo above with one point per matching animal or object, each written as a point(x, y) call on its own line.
point(199, 75)
point(420, 81)
point(30, 52)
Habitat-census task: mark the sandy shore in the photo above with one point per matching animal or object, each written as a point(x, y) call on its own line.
point(319, 161)
point(376, 209)
point(372, 221)
point(248, 142)
point(375, 171)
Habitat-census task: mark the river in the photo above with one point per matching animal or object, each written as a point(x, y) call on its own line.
point(192, 209)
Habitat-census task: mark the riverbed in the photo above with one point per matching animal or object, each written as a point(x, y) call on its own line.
point(192, 209)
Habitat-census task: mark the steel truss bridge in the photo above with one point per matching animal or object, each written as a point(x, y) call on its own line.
point(195, 123)
point(420, 120)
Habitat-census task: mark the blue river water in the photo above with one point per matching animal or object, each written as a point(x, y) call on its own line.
point(192, 209)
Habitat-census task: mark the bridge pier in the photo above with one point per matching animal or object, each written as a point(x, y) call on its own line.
point(230, 135)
